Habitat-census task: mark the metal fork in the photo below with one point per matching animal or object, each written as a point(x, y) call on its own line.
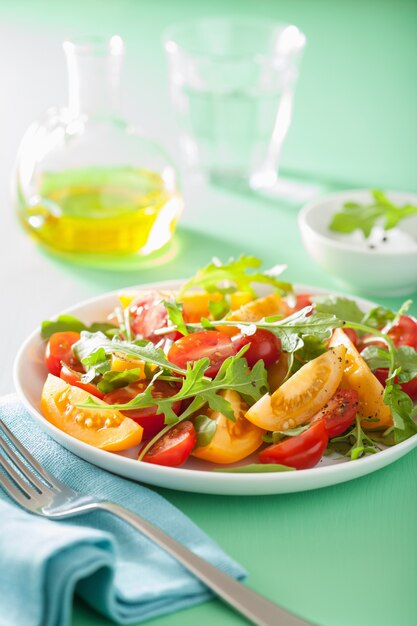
point(36, 490)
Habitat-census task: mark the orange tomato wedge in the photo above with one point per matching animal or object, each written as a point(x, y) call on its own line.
point(196, 303)
point(253, 311)
point(301, 396)
point(232, 441)
point(104, 429)
point(359, 377)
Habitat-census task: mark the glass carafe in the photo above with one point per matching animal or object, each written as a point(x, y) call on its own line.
point(86, 183)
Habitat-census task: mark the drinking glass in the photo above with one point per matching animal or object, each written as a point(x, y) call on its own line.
point(232, 84)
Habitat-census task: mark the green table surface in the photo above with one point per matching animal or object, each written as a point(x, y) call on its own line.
point(341, 556)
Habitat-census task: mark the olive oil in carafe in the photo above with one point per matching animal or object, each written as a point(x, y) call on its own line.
point(110, 210)
point(87, 184)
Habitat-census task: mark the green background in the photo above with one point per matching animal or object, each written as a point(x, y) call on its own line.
point(344, 555)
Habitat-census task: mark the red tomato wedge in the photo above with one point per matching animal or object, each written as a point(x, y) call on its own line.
point(409, 388)
point(340, 411)
point(59, 350)
point(302, 300)
point(263, 345)
point(405, 332)
point(302, 451)
point(353, 336)
point(148, 314)
point(151, 421)
point(174, 448)
point(213, 344)
point(74, 378)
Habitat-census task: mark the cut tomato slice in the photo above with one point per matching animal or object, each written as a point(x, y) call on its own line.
point(405, 332)
point(212, 344)
point(359, 377)
point(174, 448)
point(302, 300)
point(74, 378)
point(301, 396)
point(263, 345)
point(339, 412)
point(410, 387)
point(59, 351)
point(232, 441)
point(104, 429)
point(302, 451)
point(148, 314)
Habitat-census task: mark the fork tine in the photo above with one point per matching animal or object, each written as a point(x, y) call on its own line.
point(25, 487)
point(14, 492)
point(24, 469)
point(52, 482)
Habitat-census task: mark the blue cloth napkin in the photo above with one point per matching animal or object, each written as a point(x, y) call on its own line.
point(110, 565)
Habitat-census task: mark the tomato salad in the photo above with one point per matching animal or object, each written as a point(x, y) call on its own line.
point(218, 373)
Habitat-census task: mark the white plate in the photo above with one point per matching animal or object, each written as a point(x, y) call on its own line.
point(29, 376)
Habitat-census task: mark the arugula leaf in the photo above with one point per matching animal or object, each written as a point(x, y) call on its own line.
point(175, 315)
point(236, 275)
point(355, 216)
point(97, 357)
point(235, 374)
point(256, 468)
point(93, 347)
point(378, 317)
point(312, 348)
point(205, 429)
point(401, 407)
point(343, 308)
point(277, 435)
point(65, 323)
point(405, 360)
point(206, 324)
point(386, 438)
point(292, 329)
point(348, 310)
point(219, 309)
point(115, 380)
point(355, 443)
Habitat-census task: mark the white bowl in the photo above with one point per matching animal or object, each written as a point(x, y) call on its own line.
point(352, 260)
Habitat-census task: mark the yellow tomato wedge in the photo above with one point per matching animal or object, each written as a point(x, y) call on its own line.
point(104, 429)
point(253, 311)
point(232, 441)
point(301, 396)
point(359, 377)
point(120, 363)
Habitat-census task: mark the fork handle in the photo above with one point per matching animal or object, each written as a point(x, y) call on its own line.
point(253, 606)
